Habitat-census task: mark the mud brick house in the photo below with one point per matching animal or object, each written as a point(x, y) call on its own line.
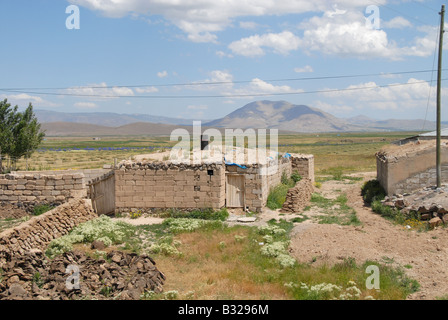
point(168, 185)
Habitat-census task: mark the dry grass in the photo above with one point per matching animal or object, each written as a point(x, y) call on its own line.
point(216, 271)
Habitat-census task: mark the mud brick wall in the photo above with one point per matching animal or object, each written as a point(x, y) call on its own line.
point(304, 164)
point(407, 168)
point(89, 174)
point(39, 231)
point(148, 185)
point(39, 188)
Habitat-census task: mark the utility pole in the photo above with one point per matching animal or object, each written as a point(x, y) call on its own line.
point(439, 85)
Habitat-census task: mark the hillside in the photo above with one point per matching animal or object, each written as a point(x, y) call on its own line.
point(265, 114)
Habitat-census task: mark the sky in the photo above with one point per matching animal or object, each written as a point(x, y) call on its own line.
point(202, 59)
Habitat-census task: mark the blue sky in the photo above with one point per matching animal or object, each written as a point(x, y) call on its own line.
point(203, 59)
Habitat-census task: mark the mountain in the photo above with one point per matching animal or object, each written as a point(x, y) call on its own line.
point(284, 115)
point(108, 119)
point(265, 114)
point(55, 129)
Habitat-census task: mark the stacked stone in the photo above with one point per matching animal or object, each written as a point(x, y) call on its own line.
point(298, 197)
point(39, 231)
point(146, 185)
point(39, 188)
point(119, 275)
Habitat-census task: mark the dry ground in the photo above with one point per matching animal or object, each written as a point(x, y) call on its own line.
point(422, 254)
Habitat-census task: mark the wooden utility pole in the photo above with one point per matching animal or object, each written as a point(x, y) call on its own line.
point(439, 85)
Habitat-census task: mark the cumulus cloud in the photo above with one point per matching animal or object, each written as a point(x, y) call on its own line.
point(396, 23)
point(348, 35)
point(201, 19)
point(412, 96)
point(252, 46)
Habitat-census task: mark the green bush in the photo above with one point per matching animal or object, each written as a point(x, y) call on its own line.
point(296, 177)
point(371, 191)
point(40, 209)
point(204, 214)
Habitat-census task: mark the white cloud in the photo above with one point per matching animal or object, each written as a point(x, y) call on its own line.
point(100, 91)
point(252, 46)
point(24, 99)
point(258, 86)
point(201, 19)
point(348, 35)
point(306, 68)
point(86, 105)
point(396, 23)
point(162, 74)
point(146, 90)
point(412, 96)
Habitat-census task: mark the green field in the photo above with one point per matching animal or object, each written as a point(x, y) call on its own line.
point(345, 152)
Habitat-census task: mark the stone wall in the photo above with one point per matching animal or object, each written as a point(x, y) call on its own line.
point(88, 174)
point(39, 231)
point(39, 188)
point(259, 179)
point(298, 197)
point(304, 164)
point(168, 185)
point(409, 167)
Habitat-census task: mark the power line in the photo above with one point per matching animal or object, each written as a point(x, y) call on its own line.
point(221, 95)
point(203, 83)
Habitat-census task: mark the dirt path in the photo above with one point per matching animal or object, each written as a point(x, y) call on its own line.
point(424, 253)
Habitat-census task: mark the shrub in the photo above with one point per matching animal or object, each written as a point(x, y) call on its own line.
point(204, 214)
point(103, 229)
point(40, 209)
point(372, 190)
point(296, 177)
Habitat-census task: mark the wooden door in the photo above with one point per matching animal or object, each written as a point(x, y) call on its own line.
point(102, 193)
point(235, 191)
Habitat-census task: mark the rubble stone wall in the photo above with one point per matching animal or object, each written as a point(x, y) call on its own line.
point(39, 231)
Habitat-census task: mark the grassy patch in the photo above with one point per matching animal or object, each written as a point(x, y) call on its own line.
point(335, 211)
point(205, 214)
point(277, 195)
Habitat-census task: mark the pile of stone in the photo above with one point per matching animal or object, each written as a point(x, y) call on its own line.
point(12, 210)
point(39, 231)
point(298, 197)
point(119, 275)
point(430, 203)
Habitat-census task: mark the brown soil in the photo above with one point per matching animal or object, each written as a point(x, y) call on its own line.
point(376, 239)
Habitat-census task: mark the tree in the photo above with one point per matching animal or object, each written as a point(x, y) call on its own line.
point(7, 119)
point(20, 132)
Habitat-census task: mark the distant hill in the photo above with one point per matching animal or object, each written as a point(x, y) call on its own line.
point(265, 114)
point(282, 114)
point(108, 119)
